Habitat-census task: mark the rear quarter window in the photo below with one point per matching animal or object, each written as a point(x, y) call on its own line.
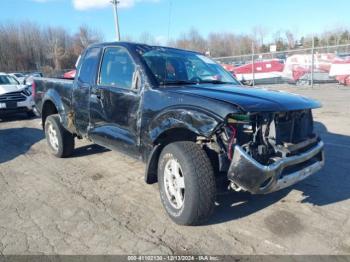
point(88, 66)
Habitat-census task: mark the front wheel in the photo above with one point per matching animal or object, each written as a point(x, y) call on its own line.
point(186, 183)
point(60, 140)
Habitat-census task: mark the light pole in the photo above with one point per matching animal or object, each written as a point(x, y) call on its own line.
point(312, 60)
point(253, 64)
point(116, 19)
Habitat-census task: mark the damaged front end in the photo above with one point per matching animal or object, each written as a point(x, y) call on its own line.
point(267, 152)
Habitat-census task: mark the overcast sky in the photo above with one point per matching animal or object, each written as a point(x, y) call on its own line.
point(138, 16)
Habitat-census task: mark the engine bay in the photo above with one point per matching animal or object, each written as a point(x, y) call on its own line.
point(269, 136)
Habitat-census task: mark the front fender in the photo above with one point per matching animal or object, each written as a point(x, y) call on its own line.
point(195, 120)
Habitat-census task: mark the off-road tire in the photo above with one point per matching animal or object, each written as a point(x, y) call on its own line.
point(200, 188)
point(64, 137)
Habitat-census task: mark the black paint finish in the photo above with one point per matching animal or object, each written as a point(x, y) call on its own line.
point(132, 119)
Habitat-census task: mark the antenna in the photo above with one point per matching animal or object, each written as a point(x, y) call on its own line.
point(170, 13)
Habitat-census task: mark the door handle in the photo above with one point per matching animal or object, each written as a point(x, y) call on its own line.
point(96, 96)
point(96, 93)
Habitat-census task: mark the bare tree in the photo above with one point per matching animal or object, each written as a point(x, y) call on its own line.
point(56, 40)
point(27, 46)
point(290, 39)
point(260, 33)
point(147, 38)
point(85, 37)
point(192, 41)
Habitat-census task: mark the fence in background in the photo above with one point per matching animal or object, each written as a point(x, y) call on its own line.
point(304, 66)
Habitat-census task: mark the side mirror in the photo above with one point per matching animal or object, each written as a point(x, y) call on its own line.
point(137, 79)
point(25, 80)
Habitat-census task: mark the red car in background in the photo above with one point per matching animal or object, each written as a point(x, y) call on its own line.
point(229, 68)
point(70, 75)
point(340, 70)
point(267, 71)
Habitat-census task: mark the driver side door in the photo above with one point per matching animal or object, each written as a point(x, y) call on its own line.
point(114, 104)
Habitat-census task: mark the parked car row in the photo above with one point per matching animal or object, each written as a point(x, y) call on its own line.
point(26, 78)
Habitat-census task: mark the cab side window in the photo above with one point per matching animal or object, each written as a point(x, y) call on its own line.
point(117, 68)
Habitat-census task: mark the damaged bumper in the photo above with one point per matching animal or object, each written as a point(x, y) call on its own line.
point(248, 174)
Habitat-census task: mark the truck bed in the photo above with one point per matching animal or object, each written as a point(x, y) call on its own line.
point(60, 89)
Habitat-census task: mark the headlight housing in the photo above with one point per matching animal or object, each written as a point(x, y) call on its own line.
point(27, 91)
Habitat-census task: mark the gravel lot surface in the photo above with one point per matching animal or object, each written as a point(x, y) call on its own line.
point(96, 202)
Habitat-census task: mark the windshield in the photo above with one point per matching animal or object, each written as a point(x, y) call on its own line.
point(171, 66)
point(8, 80)
point(19, 75)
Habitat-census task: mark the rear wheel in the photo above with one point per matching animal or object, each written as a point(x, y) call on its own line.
point(60, 141)
point(186, 183)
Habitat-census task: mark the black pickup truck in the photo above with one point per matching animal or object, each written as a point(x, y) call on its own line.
point(187, 118)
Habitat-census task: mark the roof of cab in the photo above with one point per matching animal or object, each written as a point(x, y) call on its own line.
point(137, 45)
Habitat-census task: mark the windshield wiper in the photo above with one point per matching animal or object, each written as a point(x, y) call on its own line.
point(216, 82)
point(178, 82)
point(184, 82)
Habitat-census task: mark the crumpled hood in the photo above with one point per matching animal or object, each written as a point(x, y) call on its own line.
point(250, 99)
point(4, 89)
